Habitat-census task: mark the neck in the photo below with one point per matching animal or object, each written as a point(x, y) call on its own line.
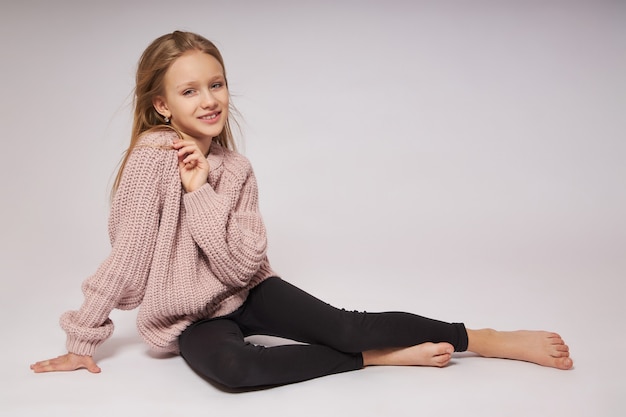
point(204, 144)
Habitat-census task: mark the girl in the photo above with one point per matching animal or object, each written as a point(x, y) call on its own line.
point(189, 249)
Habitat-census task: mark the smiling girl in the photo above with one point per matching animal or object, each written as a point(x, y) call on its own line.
point(188, 247)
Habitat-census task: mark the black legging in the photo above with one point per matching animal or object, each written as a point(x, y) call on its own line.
point(215, 348)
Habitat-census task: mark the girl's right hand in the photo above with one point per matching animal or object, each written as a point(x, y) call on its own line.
point(67, 362)
point(192, 164)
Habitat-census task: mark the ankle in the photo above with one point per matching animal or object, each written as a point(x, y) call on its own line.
point(481, 341)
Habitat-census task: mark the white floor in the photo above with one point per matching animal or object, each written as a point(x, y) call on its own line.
point(460, 160)
point(588, 313)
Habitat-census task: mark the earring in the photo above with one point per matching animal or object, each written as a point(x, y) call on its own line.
point(167, 119)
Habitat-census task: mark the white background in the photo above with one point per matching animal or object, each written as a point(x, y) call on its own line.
point(461, 160)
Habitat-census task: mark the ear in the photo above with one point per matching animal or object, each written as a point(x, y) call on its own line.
point(161, 106)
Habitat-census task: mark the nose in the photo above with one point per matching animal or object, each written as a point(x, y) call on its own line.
point(208, 100)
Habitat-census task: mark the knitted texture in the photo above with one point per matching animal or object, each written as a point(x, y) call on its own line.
point(179, 256)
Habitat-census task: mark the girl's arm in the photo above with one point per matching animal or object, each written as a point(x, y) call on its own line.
point(228, 228)
point(120, 280)
point(226, 225)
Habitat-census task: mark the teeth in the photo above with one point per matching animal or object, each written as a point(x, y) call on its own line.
point(213, 116)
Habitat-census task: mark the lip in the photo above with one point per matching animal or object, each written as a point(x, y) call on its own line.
point(217, 114)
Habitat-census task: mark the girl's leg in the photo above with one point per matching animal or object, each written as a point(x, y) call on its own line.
point(278, 308)
point(216, 350)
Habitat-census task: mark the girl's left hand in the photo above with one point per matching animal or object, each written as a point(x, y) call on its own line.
point(192, 165)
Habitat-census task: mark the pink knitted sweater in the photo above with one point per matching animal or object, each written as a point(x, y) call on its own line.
point(179, 256)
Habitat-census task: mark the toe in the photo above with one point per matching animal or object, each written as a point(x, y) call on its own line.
point(561, 348)
point(443, 348)
point(442, 360)
point(564, 363)
point(555, 338)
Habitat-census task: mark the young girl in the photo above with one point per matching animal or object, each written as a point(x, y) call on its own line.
point(189, 249)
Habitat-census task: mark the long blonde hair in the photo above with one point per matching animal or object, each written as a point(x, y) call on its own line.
point(151, 69)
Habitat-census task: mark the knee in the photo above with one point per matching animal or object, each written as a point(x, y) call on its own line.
point(348, 335)
point(228, 370)
point(223, 364)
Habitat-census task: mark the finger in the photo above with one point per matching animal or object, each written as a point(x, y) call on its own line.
point(190, 157)
point(93, 368)
point(88, 363)
point(36, 366)
point(186, 144)
point(49, 366)
point(189, 165)
point(182, 154)
point(43, 363)
point(63, 363)
point(196, 161)
point(179, 143)
point(188, 148)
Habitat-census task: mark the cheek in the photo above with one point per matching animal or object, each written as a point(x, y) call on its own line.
point(224, 98)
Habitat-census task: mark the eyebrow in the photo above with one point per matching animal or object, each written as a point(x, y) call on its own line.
point(194, 82)
point(186, 84)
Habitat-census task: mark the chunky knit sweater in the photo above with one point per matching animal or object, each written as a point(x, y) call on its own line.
point(179, 256)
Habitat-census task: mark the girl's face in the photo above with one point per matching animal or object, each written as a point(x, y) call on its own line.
point(195, 96)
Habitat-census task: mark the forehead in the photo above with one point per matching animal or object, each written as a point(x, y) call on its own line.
point(193, 65)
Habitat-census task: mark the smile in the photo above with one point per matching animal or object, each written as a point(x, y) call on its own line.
point(210, 117)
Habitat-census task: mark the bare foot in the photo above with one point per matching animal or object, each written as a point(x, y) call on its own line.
point(425, 354)
point(542, 348)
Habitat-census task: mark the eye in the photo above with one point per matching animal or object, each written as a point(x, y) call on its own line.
point(217, 85)
point(188, 92)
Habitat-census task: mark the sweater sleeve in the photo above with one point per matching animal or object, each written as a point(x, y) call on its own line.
point(120, 280)
point(228, 227)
